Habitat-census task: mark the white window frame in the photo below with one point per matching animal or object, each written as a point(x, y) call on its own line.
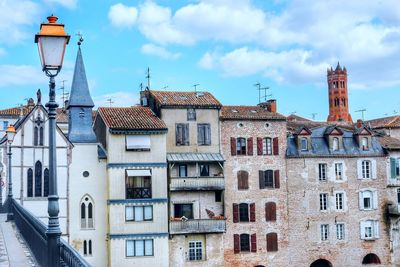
point(340, 201)
point(324, 232)
point(146, 211)
point(267, 146)
point(366, 169)
point(364, 143)
point(304, 144)
point(339, 171)
point(133, 244)
point(369, 229)
point(340, 231)
point(368, 193)
point(323, 201)
point(335, 143)
point(196, 250)
point(322, 172)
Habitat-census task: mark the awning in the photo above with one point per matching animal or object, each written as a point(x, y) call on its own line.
point(195, 157)
point(138, 173)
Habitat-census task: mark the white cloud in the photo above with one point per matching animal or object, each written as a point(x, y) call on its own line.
point(122, 16)
point(15, 16)
point(14, 75)
point(66, 3)
point(151, 49)
point(119, 99)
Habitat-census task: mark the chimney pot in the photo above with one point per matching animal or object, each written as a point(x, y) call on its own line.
point(359, 123)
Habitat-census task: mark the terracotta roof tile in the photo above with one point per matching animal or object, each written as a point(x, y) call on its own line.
point(200, 99)
point(294, 117)
point(385, 122)
point(249, 113)
point(389, 142)
point(131, 118)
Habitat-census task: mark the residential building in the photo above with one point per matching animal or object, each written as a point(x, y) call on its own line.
point(253, 142)
point(195, 175)
point(389, 126)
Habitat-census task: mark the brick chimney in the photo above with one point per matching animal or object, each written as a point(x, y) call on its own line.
point(269, 105)
point(359, 123)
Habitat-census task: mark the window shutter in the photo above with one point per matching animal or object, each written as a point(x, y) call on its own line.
point(272, 242)
point(362, 230)
point(235, 213)
point(360, 200)
point(392, 168)
point(261, 179)
point(376, 229)
point(178, 134)
point(259, 146)
point(253, 243)
point(208, 134)
point(276, 179)
point(252, 212)
point(233, 146)
point(250, 146)
point(186, 134)
point(236, 243)
point(276, 146)
point(359, 170)
point(240, 180)
point(200, 134)
point(270, 211)
point(373, 169)
point(375, 199)
point(245, 178)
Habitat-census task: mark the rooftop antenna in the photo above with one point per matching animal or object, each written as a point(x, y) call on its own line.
point(148, 78)
point(260, 96)
point(195, 86)
point(110, 101)
point(141, 86)
point(313, 115)
point(64, 95)
point(395, 112)
point(293, 112)
point(362, 112)
point(165, 87)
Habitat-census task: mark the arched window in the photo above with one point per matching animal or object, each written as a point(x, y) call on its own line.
point(85, 247)
point(243, 180)
point(321, 263)
point(29, 191)
point(90, 247)
point(46, 182)
point(35, 136)
point(87, 212)
point(335, 144)
point(38, 179)
point(41, 136)
point(371, 258)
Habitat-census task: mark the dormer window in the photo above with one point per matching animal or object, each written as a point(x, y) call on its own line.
point(364, 143)
point(335, 144)
point(304, 144)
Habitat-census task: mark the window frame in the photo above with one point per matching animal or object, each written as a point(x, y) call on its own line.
point(205, 138)
point(191, 114)
point(335, 144)
point(134, 247)
point(185, 167)
point(323, 202)
point(304, 144)
point(322, 172)
point(340, 201)
point(324, 232)
point(340, 231)
point(241, 146)
point(244, 212)
point(267, 148)
point(142, 192)
point(195, 250)
point(366, 169)
point(143, 213)
point(144, 148)
point(191, 216)
point(184, 138)
point(242, 239)
point(339, 171)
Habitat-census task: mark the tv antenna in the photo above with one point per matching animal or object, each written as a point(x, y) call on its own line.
point(110, 101)
point(148, 78)
point(362, 112)
point(64, 95)
point(165, 87)
point(195, 86)
point(260, 95)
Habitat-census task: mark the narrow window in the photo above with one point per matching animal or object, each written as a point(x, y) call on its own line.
point(272, 242)
point(85, 247)
point(182, 134)
point(46, 182)
point(398, 196)
point(38, 179)
point(90, 247)
point(323, 201)
point(30, 183)
point(366, 169)
point(35, 136)
point(367, 199)
point(244, 242)
point(335, 144)
point(269, 178)
point(340, 231)
point(87, 210)
point(195, 250)
point(241, 146)
point(191, 114)
point(83, 215)
point(182, 170)
point(218, 196)
point(243, 180)
point(322, 168)
point(270, 211)
point(339, 171)
point(339, 201)
point(204, 170)
point(267, 146)
point(243, 212)
point(41, 136)
point(90, 215)
point(5, 125)
point(203, 134)
point(324, 232)
point(364, 143)
point(304, 144)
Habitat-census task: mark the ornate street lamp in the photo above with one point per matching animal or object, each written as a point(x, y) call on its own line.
point(10, 138)
point(52, 41)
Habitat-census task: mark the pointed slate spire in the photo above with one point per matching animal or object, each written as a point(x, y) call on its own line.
point(80, 106)
point(338, 67)
point(80, 96)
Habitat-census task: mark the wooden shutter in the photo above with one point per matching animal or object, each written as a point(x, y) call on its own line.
point(178, 134)
point(276, 179)
point(250, 146)
point(208, 134)
point(252, 212)
point(275, 146)
point(235, 213)
point(270, 211)
point(186, 134)
point(392, 168)
point(253, 242)
point(236, 243)
point(233, 146)
point(201, 134)
point(259, 146)
point(243, 180)
point(272, 242)
point(261, 179)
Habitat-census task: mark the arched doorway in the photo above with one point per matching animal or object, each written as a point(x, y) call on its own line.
point(371, 258)
point(321, 263)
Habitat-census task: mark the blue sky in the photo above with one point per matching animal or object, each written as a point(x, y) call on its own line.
point(225, 46)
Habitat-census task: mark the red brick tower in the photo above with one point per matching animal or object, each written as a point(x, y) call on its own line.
point(338, 96)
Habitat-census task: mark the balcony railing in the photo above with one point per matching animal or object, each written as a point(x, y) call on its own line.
point(138, 192)
point(197, 226)
point(197, 183)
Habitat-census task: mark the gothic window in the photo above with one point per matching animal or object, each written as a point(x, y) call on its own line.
point(30, 183)
point(87, 213)
point(41, 136)
point(46, 182)
point(87, 247)
point(38, 132)
point(38, 179)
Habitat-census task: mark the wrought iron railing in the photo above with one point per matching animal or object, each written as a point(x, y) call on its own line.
point(197, 226)
point(138, 192)
point(34, 232)
point(197, 183)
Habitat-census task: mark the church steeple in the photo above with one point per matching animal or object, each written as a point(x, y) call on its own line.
point(80, 106)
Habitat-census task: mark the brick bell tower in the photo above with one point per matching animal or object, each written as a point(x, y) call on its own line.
point(338, 96)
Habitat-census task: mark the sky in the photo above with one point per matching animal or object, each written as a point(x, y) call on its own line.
point(224, 46)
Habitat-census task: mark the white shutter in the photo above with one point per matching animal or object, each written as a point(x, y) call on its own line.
point(376, 229)
point(360, 200)
point(362, 230)
point(375, 199)
point(373, 169)
point(359, 170)
point(140, 142)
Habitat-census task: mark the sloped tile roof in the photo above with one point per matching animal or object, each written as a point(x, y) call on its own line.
point(385, 122)
point(131, 118)
point(248, 113)
point(389, 142)
point(293, 117)
point(173, 98)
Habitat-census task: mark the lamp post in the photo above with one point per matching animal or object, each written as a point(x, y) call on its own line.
point(52, 41)
point(1, 186)
point(10, 138)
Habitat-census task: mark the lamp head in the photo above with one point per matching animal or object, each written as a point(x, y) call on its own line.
point(11, 133)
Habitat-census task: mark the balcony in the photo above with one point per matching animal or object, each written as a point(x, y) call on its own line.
point(197, 226)
point(138, 192)
point(197, 183)
point(393, 210)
